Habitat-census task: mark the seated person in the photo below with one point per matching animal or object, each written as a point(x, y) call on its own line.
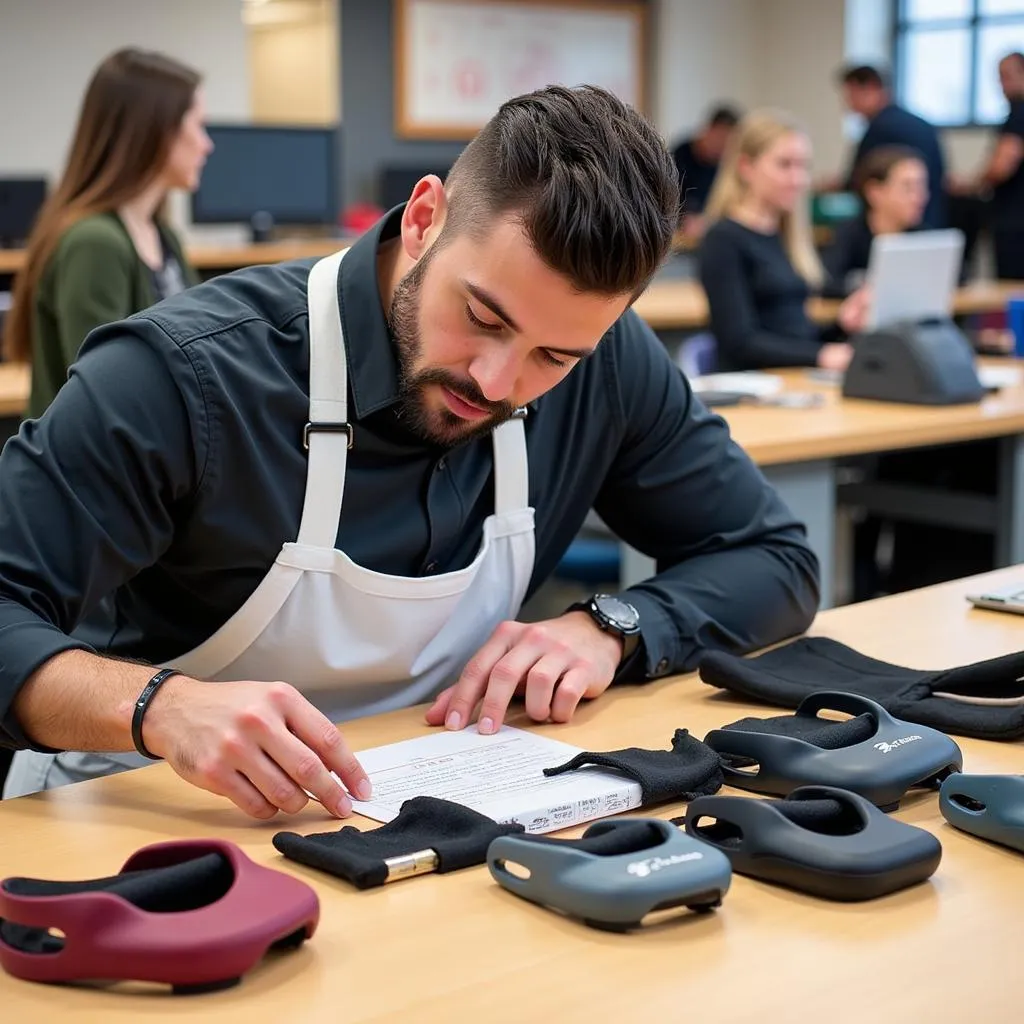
point(757, 261)
point(892, 183)
point(697, 160)
point(477, 353)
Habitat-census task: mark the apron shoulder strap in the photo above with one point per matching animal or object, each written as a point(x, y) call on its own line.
point(328, 433)
point(511, 467)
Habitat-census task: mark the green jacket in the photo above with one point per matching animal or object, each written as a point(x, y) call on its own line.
point(94, 277)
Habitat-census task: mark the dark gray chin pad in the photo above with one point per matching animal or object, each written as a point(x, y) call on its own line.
point(820, 840)
point(872, 753)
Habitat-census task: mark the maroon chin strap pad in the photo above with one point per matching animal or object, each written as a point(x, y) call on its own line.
point(193, 914)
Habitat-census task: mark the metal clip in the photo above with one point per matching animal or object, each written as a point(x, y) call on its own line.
point(327, 428)
point(422, 862)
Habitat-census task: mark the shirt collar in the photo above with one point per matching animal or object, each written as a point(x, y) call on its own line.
point(373, 367)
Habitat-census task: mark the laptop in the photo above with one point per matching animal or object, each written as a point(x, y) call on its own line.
point(1002, 599)
point(913, 276)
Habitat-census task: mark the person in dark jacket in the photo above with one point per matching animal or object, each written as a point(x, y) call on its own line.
point(697, 159)
point(866, 92)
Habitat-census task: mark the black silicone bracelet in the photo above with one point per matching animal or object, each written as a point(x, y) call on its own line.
point(140, 709)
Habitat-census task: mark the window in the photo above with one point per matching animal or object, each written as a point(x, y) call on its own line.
point(947, 56)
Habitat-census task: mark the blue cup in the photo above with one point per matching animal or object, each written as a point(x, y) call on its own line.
point(1015, 321)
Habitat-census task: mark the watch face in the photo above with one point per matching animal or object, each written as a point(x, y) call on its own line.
point(622, 615)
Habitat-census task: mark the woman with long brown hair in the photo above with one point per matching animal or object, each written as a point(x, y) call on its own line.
point(101, 249)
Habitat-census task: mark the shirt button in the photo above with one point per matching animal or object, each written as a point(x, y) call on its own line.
point(442, 464)
point(431, 568)
point(662, 667)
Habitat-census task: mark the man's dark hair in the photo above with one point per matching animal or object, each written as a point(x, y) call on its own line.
point(1016, 56)
point(725, 116)
point(863, 74)
point(591, 180)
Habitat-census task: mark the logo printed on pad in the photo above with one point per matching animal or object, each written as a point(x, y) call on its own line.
point(642, 868)
point(886, 748)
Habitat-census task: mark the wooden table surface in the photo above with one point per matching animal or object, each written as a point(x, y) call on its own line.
point(683, 305)
point(459, 948)
point(225, 257)
point(15, 381)
point(850, 426)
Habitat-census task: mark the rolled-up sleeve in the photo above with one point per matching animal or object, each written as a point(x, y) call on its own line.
point(89, 493)
point(734, 569)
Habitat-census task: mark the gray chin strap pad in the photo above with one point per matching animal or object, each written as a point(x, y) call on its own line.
point(620, 871)
point(824, 841)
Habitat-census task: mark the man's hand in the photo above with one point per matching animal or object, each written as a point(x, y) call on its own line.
point(555, 664)
point(262, 745)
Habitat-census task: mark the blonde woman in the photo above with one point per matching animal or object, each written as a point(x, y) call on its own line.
point(757, 262)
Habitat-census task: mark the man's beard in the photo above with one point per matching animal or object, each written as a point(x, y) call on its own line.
point(440, 426)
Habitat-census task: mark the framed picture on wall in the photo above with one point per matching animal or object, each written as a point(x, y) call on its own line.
point(457, 61)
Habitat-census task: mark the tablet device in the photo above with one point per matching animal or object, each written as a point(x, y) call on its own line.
point(913, 276)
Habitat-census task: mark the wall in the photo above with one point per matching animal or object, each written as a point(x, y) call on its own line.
point(294, 51)
point(45, 63)
point(800, 45)
point(780, 53)
point(367, 70)
point(367, 78)
point(703, 53)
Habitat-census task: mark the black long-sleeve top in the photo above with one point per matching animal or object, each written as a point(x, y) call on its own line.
point(756, 300)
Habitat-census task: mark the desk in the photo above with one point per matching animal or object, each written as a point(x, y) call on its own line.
point(15, 381)
point(683, 306)
point(798, 450)
point(458, 948)
point(225, 257)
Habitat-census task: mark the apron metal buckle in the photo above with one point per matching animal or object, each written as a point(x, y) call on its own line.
point(327, 428)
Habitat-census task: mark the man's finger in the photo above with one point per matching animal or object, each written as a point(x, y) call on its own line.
point(506, 677)
point(275, 783)
point(570, 692)
point(540, 686)
point(439, 709)
point(317, 733)
point(244, 795)
point(472, 684)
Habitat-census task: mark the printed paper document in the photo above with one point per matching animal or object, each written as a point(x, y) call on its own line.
point(499, 775)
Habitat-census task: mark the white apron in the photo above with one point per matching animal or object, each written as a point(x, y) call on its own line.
point(352, 641)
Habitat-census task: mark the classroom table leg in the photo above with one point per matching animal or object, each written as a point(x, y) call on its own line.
point(809, 489)
point(1010, 520)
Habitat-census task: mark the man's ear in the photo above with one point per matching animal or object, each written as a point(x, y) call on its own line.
point(424, 216)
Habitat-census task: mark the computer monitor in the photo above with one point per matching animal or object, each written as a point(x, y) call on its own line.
point(268, 175)
point(395, 184)
point(913, 277)
point(20, 202)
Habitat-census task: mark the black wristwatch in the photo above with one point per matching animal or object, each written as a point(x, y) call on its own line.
point(615, 616)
